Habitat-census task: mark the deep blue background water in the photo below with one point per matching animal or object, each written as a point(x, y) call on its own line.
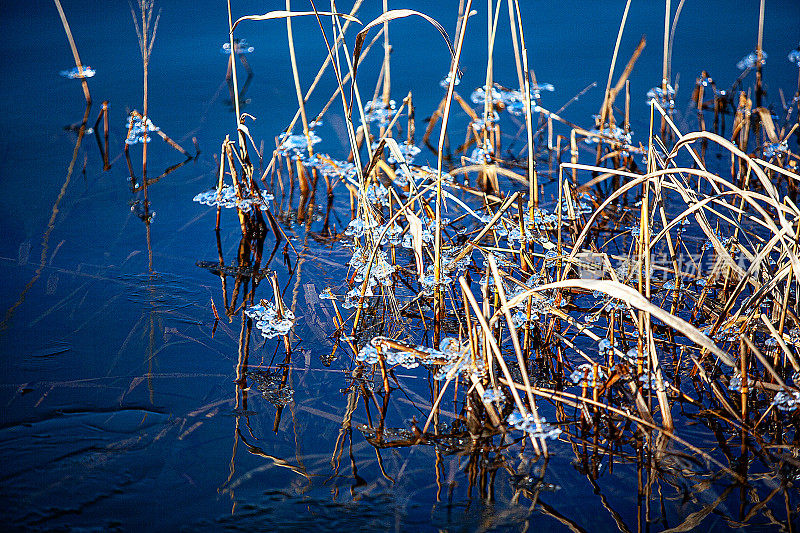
point(117, 402)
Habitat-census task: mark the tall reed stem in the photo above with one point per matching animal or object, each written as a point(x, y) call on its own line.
point(74, 49)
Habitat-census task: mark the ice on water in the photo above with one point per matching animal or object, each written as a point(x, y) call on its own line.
point(269, 321)
point(271, 388)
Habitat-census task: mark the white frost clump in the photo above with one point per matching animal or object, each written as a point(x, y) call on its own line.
point(227, 198)
point(787, 400)
point(528, 425)
point(75, 73)
point(138, 130)
point(268, 320)
point(751, 60)
point(584, 374)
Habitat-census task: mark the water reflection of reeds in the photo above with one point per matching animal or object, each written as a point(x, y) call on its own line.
point(643, 316)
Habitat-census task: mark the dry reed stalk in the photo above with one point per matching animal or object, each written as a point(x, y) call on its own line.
point(497, 354)
point(512, 330)
point(666, 54)
point(74, 49)
point(607, 93)
point(387, 51)
point(454, 72)
point(300, 100)
point(146, 35)
point(759, 54)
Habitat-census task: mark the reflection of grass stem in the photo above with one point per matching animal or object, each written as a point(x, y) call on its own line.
point(51, 224)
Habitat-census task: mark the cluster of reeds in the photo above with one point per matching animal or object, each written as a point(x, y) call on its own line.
point(646, 291)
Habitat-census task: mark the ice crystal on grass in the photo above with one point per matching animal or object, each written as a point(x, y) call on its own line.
point(381, 270)
point(76, 73)
point(295, 144)
point(377, 111)
point(449, 355)
point(368, 355)
point(736, 383)
point(751, 60)
point(724, 334)
point(775, 149)
point(479, 124)
point(492, 394)
point(240, 46)
point(358, 227)
point(648, 384)
point(632, 356)
point(604, 347)
point(614, 132)
point(452, 264)
point(408, 151)
point(392, 235)
point(482, 155)
point(331, 167)
point(327, 294)
point(787, 400)
point(513, 100)
point(139, 129)
point(665, 98)
point(445, 82)
point(478, 96)
point(226, 197)
point(428, 281)
point(794, 56)
point(377, 193)
point(584, 375)
point(269, 321)
point(528, 424)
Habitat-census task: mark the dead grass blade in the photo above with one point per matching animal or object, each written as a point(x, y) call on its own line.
point(273, 15)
